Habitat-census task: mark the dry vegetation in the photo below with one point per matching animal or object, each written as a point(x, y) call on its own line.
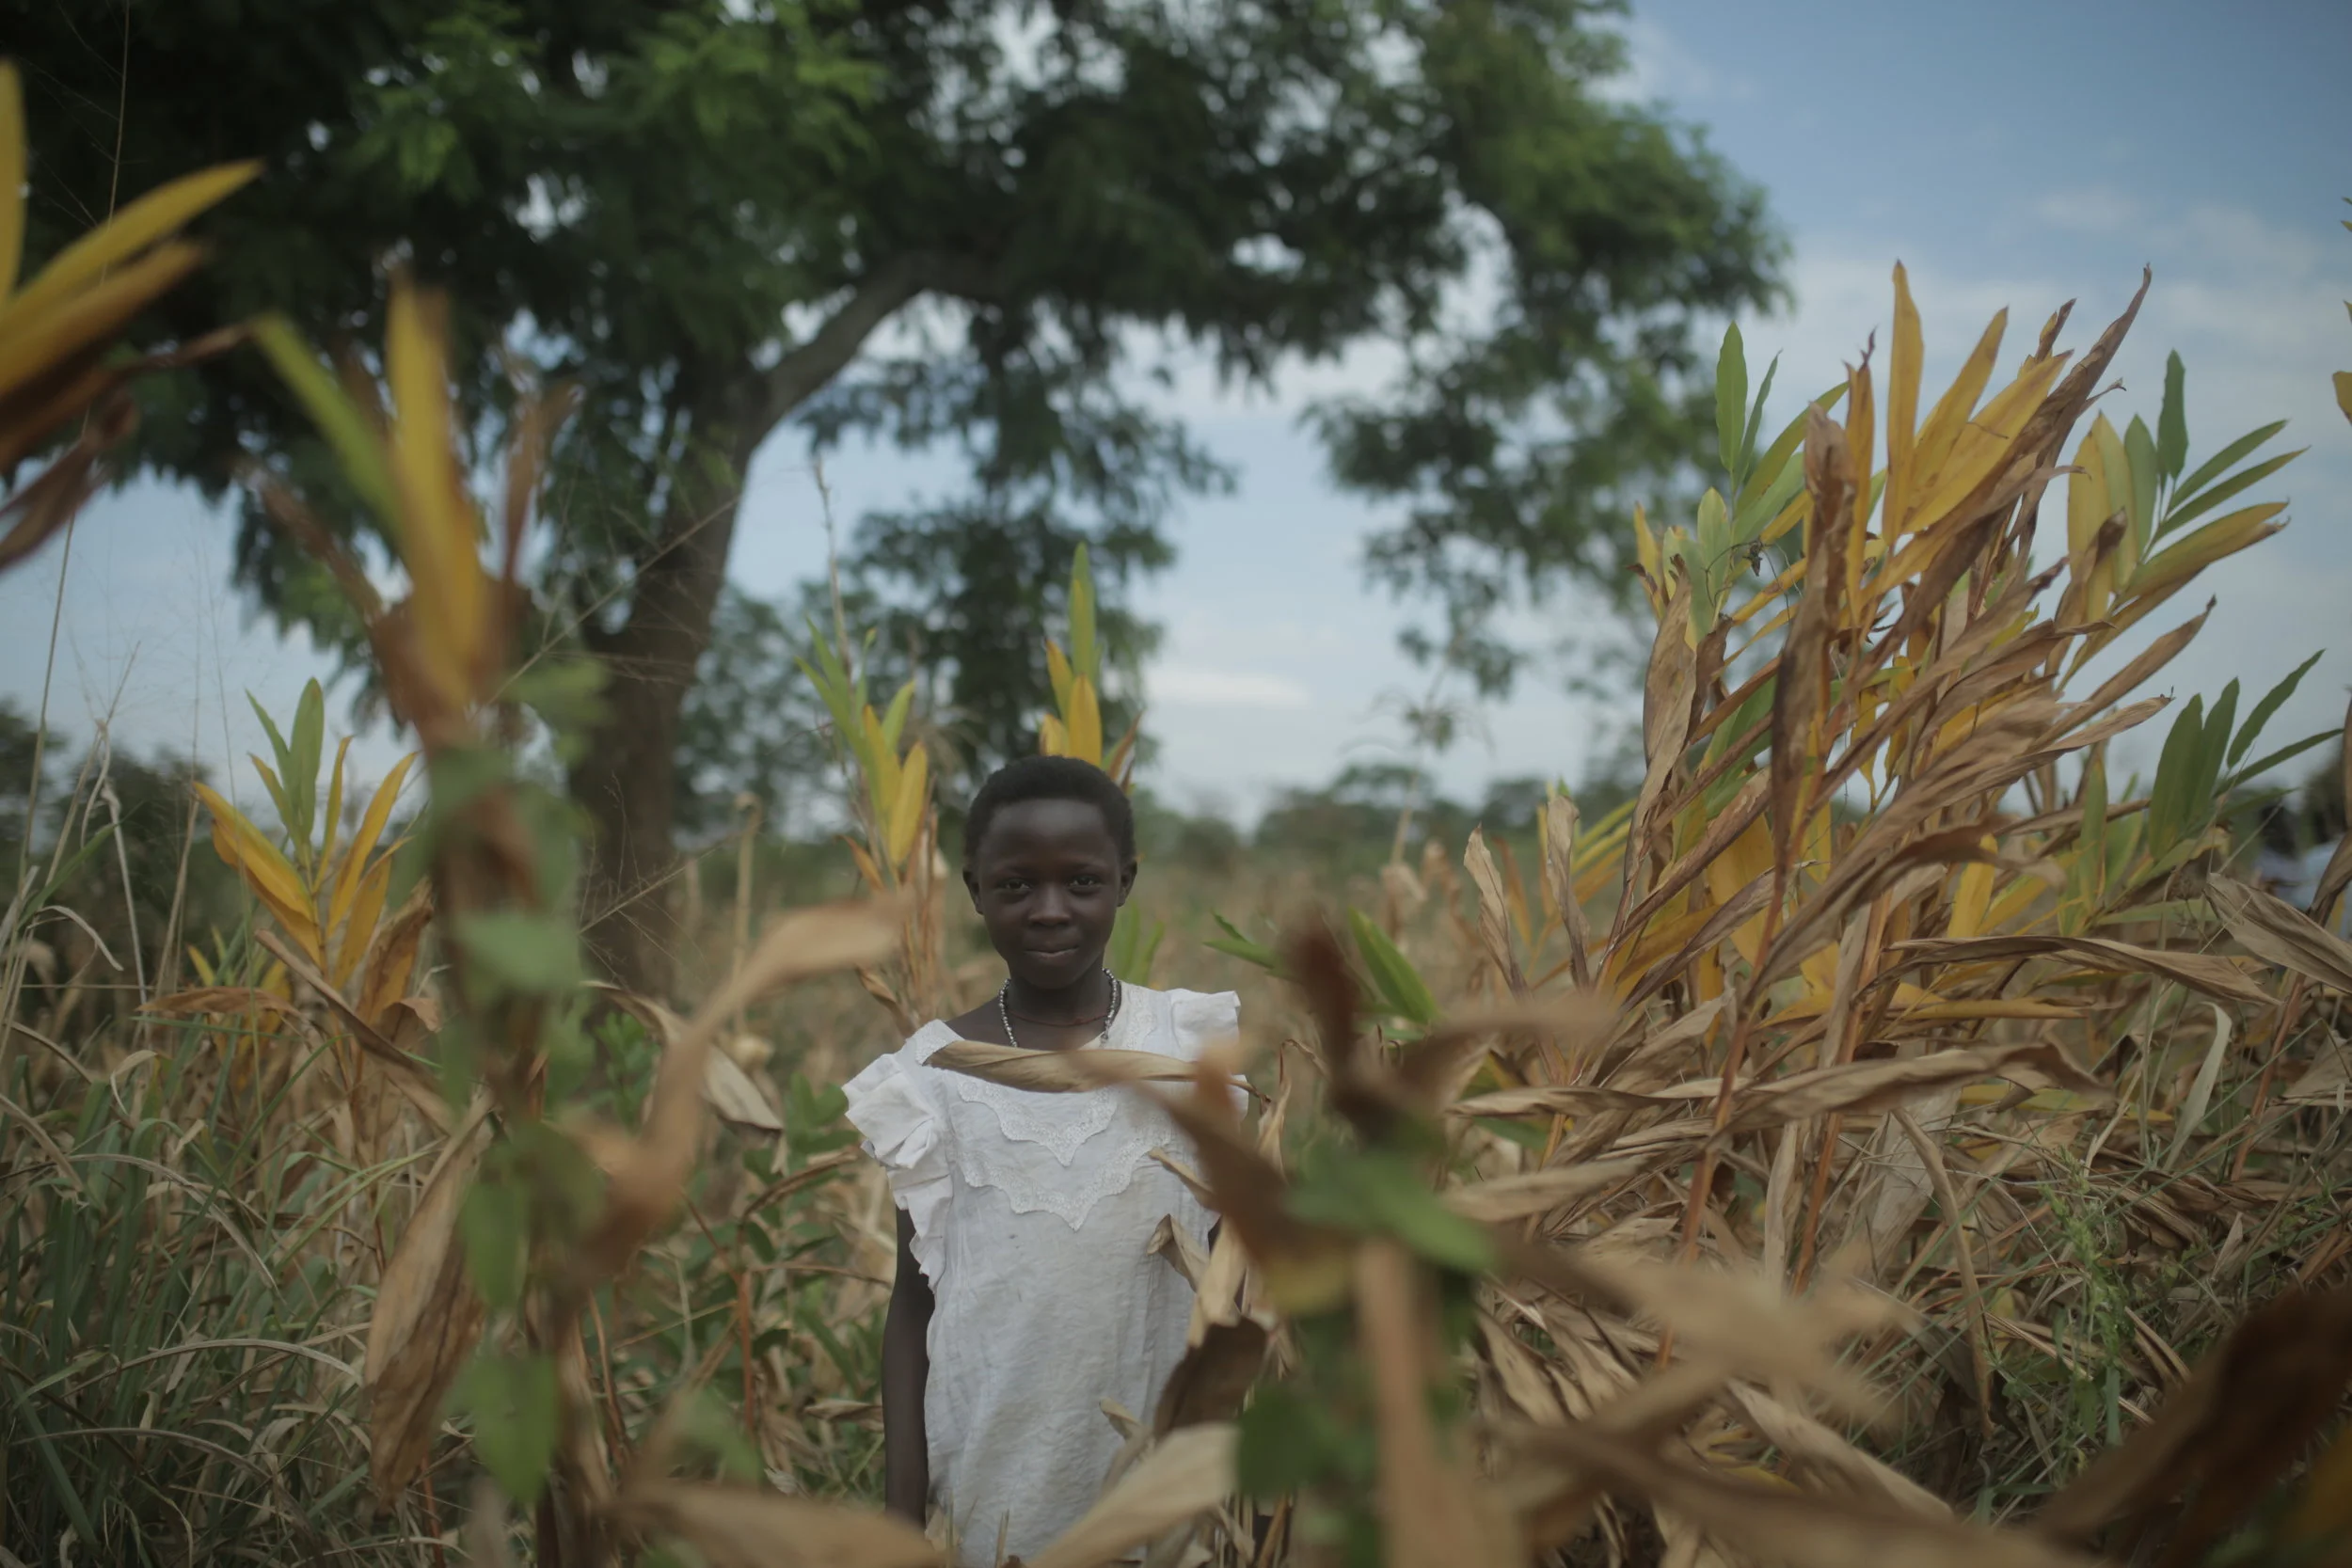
point(1818, 1162)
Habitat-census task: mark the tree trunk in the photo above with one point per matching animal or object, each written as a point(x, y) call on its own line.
point(623, 781)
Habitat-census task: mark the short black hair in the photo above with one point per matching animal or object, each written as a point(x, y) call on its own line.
point(1051, 779)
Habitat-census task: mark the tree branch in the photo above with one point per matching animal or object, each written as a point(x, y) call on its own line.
point(809, 368)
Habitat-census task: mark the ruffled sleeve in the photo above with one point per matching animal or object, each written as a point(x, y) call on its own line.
point(1204, 1020)
point(891, 1106)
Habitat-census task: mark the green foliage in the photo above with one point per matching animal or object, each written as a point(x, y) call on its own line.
point(511, 1401)
point(1396, 988)
point(699, 212)
point(174, 1364)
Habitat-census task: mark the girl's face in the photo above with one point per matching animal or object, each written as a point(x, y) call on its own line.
point(1048, 881)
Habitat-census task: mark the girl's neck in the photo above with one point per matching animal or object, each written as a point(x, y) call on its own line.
point(1084, 1001)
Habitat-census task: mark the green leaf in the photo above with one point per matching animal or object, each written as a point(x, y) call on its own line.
point(2288, 753)
point(1398, 985)
point(1775, 461)
point(2140, 451)
point(1379, 1191)
point(512, 1402)
point(1287, 1443)
point(894, 719)
point(2176, 775)
point(2211, 748)
point(1233, 943)
point(280, 753)
point(494, 1222)
point(1757, 512)
point(357, 448)
point(1731, 398)
point(1755, 423)
point(302, 762)
point(1134, 945)
point(2220, 462)
point(2268, 705)
point(522, 951)
point(2172, 423)
point(2185, 513)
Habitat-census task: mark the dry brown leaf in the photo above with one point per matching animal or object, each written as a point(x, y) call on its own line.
point(1431, 1512)
point(1738, 1321)
point(649, 1176)
point(741, 1527)
point(2203, 972)
point(2326, 1082)
point(1667, 692)
point(1059, 1071)
point(1213, 1377)
point(1433, 1066)
point(1494, 911)
point(426, 1319)
point(1812, 1444)
point(729, 1091)
point(407, 1073)
point(1801, 1530)
point(1304, 1267)
point(1512, 1197)
point(1801, 693)
point(1560, 880)
point(1185, 1474)
point(2275, 930)
point(1878, 1085)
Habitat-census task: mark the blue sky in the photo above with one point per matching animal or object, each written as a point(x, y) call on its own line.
point(2017, 154)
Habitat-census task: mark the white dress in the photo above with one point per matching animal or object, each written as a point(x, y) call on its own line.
point(1031, 1215)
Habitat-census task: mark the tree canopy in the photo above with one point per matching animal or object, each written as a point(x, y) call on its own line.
point(955, 223)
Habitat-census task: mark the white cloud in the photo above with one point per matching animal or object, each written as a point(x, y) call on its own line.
point(2091, 210)
point(1199, 688)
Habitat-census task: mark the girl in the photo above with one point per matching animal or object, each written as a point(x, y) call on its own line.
point(1027, 1295)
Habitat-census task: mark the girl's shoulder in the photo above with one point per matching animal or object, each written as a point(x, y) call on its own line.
point(1185, 1022)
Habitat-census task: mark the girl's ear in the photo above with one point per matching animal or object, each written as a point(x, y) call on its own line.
point(1126, 882)
point(972, 889)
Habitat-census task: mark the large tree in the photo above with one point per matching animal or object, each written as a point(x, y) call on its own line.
point(950, 222)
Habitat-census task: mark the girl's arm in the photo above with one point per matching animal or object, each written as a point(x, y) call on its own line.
point(906, 1371)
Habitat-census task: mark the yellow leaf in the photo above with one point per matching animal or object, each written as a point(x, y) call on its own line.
point(1861, 432)
point(33, 342)
point(1972, 899)
point(358, 929)
point(1085, 718)
point(908, 804)
point(1985, 444)
point(867, 868)
point(371, 828)
point(263, 869)
point(1959, 400)
point(1052, 739)
point(11, 179)
point(1653, 564)
point(1902, 406)
point(1057, 669)
point(97, 254)
point(2344, 392)
point(436, 522)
